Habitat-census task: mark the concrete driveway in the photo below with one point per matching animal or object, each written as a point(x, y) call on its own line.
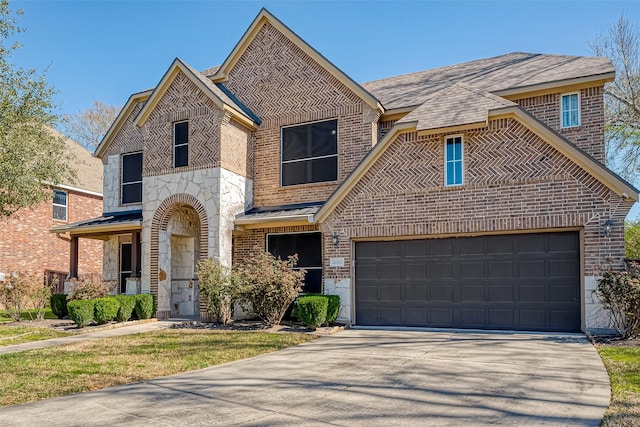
point(362, 377)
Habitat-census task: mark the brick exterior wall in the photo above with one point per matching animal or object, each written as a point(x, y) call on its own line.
point(284, 86)
point(27, 244)
point(514, 181)
point(236, 154)
point(590, 134)
point(129, 137)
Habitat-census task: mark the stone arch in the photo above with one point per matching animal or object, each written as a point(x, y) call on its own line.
point(161, 219)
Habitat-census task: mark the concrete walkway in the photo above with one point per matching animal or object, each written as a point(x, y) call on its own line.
point(362, 377)
point(102, 333)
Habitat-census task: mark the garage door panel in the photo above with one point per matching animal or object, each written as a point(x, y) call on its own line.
point(526, 282)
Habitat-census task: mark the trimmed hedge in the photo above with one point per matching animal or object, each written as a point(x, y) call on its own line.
point(333, 308)
point(105, 309)
point(59, 305)
point(127, 305)
point(144, 306)
point(81, 311)
point(312, 310)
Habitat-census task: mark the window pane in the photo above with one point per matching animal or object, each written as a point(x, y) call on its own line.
point(181, 156)
point(294, 173)
point(457, 149)
point(325, 169)
point(308, 246)
point(132, 167)
point(60, 212)
point(313, 281)
point(125, 257)
point(181, 133)
point(324, 138)
point(132, 193)
point(59, 197)
point(294, 143)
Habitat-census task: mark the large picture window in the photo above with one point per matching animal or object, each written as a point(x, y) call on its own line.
point(310, 153)
point(308, 246)
point(180, 144)
point(131, 191)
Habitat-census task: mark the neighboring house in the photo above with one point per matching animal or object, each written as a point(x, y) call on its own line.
point(27, 245)
point(470, 196)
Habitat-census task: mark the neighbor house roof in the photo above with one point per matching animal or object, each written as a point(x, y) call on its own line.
point(503, 75)
point(88, 169)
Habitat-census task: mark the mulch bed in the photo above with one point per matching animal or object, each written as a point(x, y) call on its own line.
point(253, 325)
point(616, 341)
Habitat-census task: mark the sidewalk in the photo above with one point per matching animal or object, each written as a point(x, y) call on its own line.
point(103, 333)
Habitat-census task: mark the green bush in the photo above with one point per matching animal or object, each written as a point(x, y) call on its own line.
point(105, 309)
point(59, 305)
point(81, 311)
point(127, 305)
point(312, 310)
point(619, 294)
point(144, 306)
point(219, 288)
point(333, 308)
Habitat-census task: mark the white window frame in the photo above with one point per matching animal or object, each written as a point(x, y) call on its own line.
point(66, 206)
point(562, 110)
point(122, 183)
point(447, 161)
point(282, 162)
point(266, 243)
point(180, 145)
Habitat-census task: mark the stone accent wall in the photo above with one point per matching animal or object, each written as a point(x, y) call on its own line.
point(284, 86)
point(27, 244)
point(183, 100)
point(590, 134)
point(514, 181)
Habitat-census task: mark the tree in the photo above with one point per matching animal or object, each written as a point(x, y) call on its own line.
point(30, 154)
point(621, 44)
point(88, 127)
point(632, 238)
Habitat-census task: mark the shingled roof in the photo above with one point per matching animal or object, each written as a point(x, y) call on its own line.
point(516, 70)
point(88, 169)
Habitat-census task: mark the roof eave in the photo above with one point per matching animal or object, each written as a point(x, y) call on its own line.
point(547, 86)
point(250, 223)
point(89, 229)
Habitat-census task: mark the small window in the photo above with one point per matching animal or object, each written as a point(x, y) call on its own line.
point(60, 205)
point(453, 161)
point(310, 153)
point(131, 178)
point(180, 144)
point(570, 110)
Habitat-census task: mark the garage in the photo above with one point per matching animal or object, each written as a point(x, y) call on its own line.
point(516, 282)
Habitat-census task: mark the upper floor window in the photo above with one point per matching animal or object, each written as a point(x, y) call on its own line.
point(310, 153)
point(570, 110)
point(60, 205)
point(453, 161)
point(180, 144)
point(131, 178)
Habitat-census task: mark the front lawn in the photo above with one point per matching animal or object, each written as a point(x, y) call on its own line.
point(92, 365)
point(623, 366)
point(26, 315)
point(10, 335)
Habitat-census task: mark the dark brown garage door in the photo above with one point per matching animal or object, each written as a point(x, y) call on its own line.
point(519, 282)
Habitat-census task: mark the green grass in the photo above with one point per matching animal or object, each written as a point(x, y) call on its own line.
point(623, 366)
point(92, 365)
point(26, 315)
point(10, 335)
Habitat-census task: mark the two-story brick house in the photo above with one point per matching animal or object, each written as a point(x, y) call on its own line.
point(28, 246)
point(470, 196)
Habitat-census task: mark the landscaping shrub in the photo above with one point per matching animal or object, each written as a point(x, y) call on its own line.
point(81, 312)
point(127, 305)
point(619, 294)
point(219, 288)
point(105, 309)
point(312, 310)
point(333, 308)
point(269, 285)
point(144, 306)
point(90, 286)
point(21, 289)
point(59, 305)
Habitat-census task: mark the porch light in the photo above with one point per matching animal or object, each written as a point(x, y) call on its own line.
point(607, 228)
point(335, 239)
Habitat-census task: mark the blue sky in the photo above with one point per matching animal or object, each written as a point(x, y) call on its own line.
point(106, 50)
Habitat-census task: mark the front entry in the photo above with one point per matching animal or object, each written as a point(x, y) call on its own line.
point(183, 286)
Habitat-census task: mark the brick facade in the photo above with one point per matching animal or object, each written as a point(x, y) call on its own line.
point(27, 244)
point(590, 134)
point(284, 86)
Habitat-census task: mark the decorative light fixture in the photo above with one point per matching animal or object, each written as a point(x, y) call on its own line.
point(335, 239)
point(607, 228)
